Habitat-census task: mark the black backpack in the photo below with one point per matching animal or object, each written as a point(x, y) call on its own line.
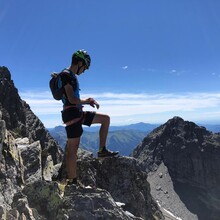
point(56, 87)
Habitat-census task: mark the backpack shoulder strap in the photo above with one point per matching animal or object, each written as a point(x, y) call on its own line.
point(67, 71)
point(70, 77)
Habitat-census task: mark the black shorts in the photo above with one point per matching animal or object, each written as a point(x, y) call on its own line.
point(75, 130)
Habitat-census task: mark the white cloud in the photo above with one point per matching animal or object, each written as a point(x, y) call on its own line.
point(124, 67)
point(124, 107)
point(177, 72)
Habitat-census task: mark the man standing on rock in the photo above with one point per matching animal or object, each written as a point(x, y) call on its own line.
point(74, 116)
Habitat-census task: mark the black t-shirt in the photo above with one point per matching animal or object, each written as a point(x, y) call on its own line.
point(68, 78)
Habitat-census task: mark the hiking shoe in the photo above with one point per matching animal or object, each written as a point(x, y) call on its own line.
point(75, 182)
point(71, 181)
point(107, 153)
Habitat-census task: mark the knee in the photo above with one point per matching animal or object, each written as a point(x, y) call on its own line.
point(106, 119)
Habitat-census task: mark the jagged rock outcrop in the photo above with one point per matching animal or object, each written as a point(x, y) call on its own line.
point(23, 193)
point(191, 155)
point(21, 121)
point(125, 181)
point(124, 194)
point(77, 203)
point(20, 164)
point(29, 156)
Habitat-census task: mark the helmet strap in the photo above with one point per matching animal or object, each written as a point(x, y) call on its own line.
point(78, 69)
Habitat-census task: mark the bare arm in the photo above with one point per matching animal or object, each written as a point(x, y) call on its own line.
point(73, 100)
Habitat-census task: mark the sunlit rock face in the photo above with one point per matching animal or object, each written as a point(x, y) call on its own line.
point(22, 122)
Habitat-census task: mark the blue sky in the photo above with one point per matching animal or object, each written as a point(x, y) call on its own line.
point(151, 59)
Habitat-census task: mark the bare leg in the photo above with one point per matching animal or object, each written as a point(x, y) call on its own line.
point(72, 147)
point(104, 120)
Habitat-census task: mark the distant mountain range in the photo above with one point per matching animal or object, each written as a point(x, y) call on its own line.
point(213, 128)
point(121, 138)
point(141, 126)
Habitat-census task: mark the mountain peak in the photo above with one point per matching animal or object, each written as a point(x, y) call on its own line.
point(19, 119)
point(178, 122)
point(5, 73)
point(179, 127)
point(176, 119)
point(176, 134)
point(191, 155)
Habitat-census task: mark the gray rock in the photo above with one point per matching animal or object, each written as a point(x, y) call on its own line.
point(191, 155)
point(30, 155)
point(77, 203)
point(11, 175)
point(93, 204)
point(22, 122)
point(121, 180)
point(125, 181)
point(2, 211)
point(161, 175)
point(2, 135)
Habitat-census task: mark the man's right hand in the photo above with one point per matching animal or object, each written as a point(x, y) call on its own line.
point(93, 103)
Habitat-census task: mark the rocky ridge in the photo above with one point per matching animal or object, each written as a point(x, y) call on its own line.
point(22, 122)
point(117, 188)
point(188, 156)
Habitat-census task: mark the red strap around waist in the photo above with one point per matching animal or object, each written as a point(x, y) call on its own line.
point(75, 120)
point(70, 106)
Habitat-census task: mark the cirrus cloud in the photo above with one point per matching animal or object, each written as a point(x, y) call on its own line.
point(138, 106)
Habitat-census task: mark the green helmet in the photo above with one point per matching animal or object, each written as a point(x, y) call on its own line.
point(83, 55)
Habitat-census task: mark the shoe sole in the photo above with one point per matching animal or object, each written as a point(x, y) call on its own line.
point(116, 154)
